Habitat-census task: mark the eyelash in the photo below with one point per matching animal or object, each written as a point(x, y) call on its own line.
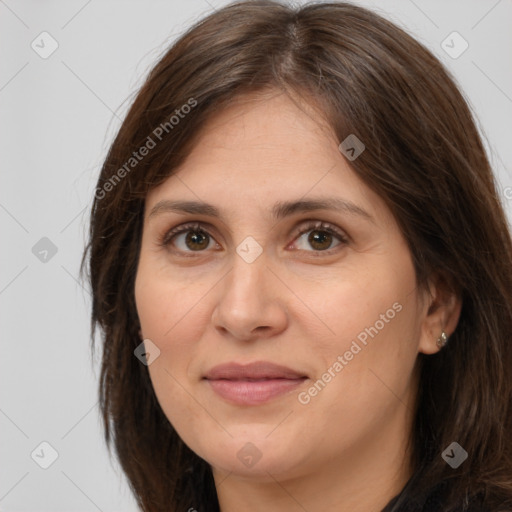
point(309, 226)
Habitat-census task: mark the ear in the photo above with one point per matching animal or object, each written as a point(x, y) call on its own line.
point(442, 312)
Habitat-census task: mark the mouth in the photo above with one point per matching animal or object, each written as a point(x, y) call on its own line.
point(254, 383)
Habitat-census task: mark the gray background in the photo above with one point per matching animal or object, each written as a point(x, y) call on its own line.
point(59, 115)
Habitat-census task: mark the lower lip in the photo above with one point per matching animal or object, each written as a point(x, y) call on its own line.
point(246, 392)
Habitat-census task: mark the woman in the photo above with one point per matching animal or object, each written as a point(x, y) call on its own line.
point(302, 273)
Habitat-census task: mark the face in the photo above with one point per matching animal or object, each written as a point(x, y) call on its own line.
point(282, 297)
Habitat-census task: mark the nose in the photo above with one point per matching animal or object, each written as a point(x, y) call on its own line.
point(251, 302)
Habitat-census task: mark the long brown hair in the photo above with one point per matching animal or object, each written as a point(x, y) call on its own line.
point(423, 156)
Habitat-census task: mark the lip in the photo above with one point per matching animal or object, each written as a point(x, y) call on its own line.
point(253, 383)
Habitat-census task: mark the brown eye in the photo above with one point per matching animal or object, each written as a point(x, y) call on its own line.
point(320, 240)
point(188, 238)
point(319, 236)
point(197, 240)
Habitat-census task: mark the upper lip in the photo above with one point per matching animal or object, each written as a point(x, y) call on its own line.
point(256, 370)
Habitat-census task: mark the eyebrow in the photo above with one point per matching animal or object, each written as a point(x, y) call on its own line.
point(279, 211)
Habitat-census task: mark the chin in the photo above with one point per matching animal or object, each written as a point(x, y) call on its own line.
point(253, 456)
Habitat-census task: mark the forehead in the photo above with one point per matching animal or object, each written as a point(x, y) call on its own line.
point(264, 150)
point(270, 125)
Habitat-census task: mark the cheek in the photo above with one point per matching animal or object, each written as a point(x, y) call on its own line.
point(367, 388)
point(173, 312)
point(166, 309)
point(378, 301)
point(374, 329)
point(165, 303)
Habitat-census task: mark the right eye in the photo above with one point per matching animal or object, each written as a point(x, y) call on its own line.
point(188, 238)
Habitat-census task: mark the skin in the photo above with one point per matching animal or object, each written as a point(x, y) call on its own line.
point(296, 305)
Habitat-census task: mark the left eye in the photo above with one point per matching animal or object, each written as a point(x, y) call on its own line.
point(320, 237)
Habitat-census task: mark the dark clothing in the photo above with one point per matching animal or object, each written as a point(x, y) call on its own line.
point(431, 502)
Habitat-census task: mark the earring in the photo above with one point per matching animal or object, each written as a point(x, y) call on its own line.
point(442, 340)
